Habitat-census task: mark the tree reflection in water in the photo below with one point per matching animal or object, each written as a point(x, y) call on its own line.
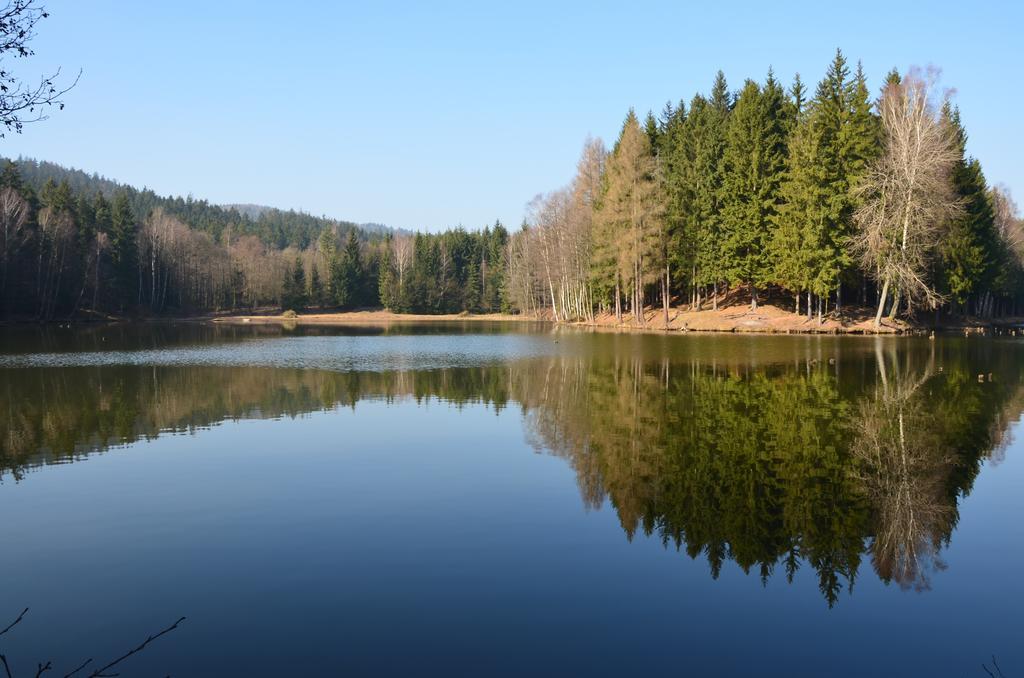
point(800, 460)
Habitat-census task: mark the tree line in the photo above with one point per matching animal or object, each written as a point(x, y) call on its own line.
point(828, 198)
point(74, 245)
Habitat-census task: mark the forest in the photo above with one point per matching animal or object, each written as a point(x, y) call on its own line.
point(819, 202)
point(826, 199)
point(76, 245)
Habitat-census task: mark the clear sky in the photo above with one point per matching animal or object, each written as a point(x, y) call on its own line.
point(432, 114)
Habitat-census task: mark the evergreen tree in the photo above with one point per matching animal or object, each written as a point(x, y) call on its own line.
point(124, 251)
point(293, 296)
point(830, 148)
point(349, 280)
point(970, 248)
point(471, 290)
point(791, 248)
point(754, 165)
point(316, 287)
point(708, 122)
point(327, 245)
point(386, 278)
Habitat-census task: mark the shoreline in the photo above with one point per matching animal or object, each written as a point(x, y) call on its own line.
point(766, 319)
point(366, 318)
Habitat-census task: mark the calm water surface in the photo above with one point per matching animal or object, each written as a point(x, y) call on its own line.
point(476, 499)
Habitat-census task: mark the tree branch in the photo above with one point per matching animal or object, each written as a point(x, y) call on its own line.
point(15, 622)
point(100, 672)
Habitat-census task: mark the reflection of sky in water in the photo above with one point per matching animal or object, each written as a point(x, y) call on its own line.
point(394, 519)
point(339, 353)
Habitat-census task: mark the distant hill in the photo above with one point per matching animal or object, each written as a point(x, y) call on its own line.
point(275, 227)
point(254, 212)
point(248, 209)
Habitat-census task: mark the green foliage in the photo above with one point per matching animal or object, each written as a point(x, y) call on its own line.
point(754, 165)
point(293, 295)
point(471, 290)
point(317, 294)
point(124, 249)
point(971, 250)
point(349, 275)
point(831, 144)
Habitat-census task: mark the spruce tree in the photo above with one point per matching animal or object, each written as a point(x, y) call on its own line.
point(316, 287)
point(754, 166)
point(471, 290)
point(328, 252)
point(970, 249)
point(707, 123)
point(124, 251)
point(385, 276)
point(830, 148)
point(791, 249)
point(298, 287)
point(348, 284)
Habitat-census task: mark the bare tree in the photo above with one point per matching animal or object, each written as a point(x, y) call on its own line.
point(21, 103)
point(907, 194)
point(56, 239)
point(903, 468)
point(629, 220)
point(1008, 226)
point(13, 216)
point(402, 249)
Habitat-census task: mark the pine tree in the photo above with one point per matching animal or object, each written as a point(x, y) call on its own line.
point(385, 277)
point(316, 287)
point(471, 291)
point(754, 165)
point(676, 160)
point(349, 279)
point(707, 123)
point(791, 248)
point(293, 289)
point(328, 252)
point(830, 148)
point(970, 248)
point(124, 251)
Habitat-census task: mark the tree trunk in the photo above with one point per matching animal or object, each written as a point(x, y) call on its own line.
point(881, 303)
point(895, 304)
point(664, 294)
point(618, 301)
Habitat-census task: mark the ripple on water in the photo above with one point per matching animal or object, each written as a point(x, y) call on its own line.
point(339, 353)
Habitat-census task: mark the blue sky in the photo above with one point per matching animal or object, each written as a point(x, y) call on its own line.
point(426, 115)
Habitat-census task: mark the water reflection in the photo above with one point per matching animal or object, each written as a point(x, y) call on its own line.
point(804, 460)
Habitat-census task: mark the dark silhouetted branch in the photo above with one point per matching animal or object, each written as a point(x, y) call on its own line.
point(15, 622)
point(100, 672)
point(80, 667)
point(42, 668)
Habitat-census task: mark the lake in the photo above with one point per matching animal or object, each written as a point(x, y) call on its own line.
point(475, 499)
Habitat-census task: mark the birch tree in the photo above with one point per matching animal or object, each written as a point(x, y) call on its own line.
point(907, 197)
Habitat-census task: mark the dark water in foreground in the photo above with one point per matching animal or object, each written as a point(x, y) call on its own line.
point(508, 500)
